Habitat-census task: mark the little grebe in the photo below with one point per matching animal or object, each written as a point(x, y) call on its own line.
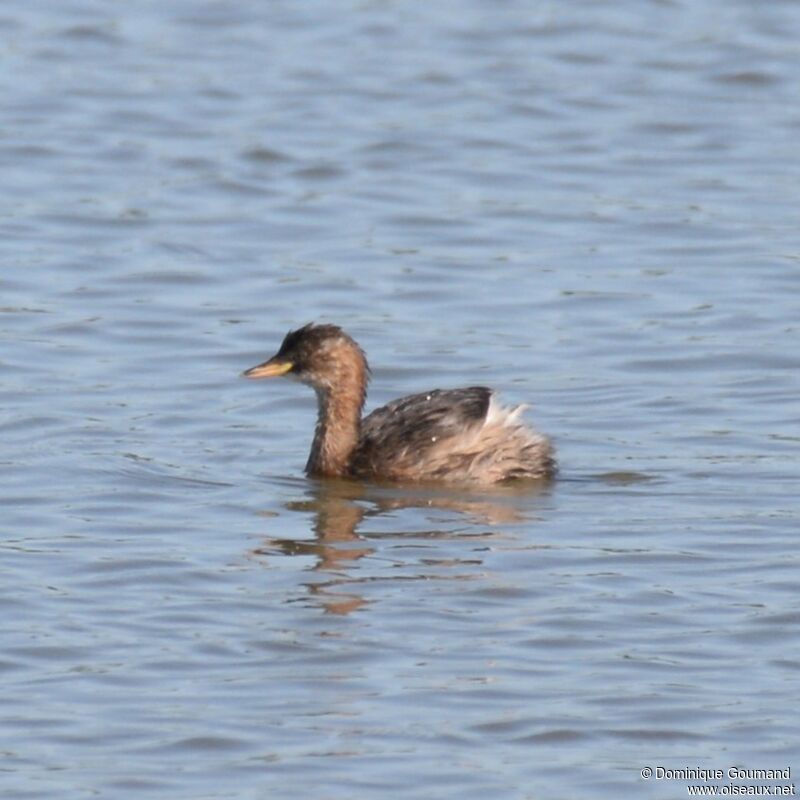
point(450, 435)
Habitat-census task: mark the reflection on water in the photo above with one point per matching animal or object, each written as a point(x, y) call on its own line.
point(340, 510)
point(335, 547)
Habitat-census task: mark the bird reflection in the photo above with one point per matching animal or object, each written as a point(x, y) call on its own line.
point(340, 508)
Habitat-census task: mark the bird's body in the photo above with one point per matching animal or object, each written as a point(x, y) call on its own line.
point(461, 436)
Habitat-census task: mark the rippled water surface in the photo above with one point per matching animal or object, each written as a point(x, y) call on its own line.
point(592, 206)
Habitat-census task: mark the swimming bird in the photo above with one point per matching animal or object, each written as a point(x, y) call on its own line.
point(459, 436)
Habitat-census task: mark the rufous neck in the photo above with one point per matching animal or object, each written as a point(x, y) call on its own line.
point(337, 432)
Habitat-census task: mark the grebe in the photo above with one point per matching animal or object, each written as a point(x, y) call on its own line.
point(447, 435)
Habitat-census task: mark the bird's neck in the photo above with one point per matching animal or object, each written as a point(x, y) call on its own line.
point(338, 429)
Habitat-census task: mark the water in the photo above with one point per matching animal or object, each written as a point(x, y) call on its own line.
point(590, 206)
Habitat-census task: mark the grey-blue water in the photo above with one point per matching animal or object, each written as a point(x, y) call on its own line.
point(591, 206)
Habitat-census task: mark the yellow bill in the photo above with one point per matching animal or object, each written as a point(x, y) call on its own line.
point(269, 369)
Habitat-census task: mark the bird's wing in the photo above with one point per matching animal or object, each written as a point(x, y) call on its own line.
point(415, 423)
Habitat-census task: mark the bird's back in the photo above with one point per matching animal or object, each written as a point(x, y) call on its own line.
point(452, 435)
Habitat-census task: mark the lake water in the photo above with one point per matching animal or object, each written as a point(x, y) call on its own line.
point(591, 206)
